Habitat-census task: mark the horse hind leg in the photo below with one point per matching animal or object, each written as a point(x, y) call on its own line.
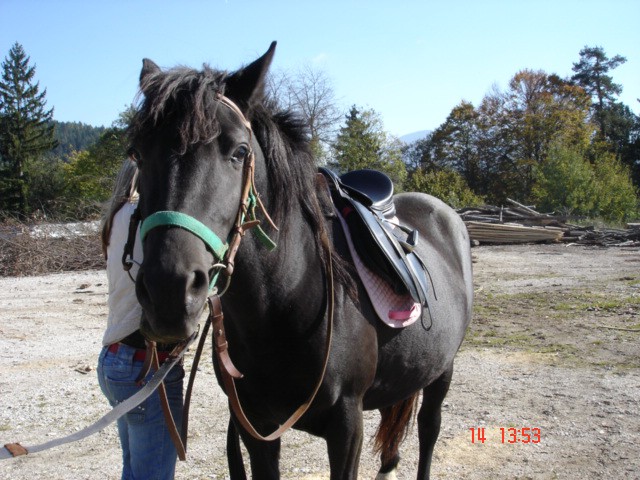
point(429, 420)
point(393, 428)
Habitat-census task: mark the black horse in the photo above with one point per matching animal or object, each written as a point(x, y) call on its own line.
point(193, 136)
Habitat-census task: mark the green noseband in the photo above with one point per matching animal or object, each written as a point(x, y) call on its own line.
point(184, 221)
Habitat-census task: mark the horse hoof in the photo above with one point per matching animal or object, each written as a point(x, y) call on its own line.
point(387, 476)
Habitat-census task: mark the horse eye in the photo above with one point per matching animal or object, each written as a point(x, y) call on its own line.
point(241, 153)
point(134, 155)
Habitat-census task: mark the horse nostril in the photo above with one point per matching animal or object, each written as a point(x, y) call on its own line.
point(199, 283)
point(141, 289)
point(199, 280)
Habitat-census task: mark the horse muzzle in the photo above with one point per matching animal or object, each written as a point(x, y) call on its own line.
point(173, 284)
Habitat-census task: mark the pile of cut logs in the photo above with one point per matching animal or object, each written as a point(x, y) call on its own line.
point(519, 223)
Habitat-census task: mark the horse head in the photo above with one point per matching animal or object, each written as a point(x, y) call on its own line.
point(193, 143)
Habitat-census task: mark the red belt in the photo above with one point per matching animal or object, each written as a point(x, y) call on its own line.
point(139, 354)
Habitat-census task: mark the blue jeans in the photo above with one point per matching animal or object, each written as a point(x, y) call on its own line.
point(147, 450)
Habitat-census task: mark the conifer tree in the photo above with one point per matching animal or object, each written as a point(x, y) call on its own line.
point(363, 143)
point(356, 145)
point(592, 74)
point(26, 128)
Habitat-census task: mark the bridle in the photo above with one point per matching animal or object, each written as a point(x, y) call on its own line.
point(224, 253)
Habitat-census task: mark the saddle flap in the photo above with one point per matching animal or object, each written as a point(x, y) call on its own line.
point(380, 249)
point(384, 247)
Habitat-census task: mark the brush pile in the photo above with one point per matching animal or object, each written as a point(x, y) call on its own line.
point(41, 249)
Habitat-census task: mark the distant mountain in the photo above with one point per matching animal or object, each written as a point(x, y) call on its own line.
point(75, 136)
point(412, 137)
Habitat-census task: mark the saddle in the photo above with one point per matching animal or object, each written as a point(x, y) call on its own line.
point(364, 199)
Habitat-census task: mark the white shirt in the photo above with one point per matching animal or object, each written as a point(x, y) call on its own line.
point(124, 309)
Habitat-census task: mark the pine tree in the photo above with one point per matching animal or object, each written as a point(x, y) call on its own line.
point(592, 75)
point(363, 143)
point(356, 145)
point(26, 128)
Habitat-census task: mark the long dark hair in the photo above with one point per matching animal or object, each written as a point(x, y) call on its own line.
point(184, 100)
point(124, 190)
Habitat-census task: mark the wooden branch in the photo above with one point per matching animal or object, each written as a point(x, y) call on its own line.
point(525, 208)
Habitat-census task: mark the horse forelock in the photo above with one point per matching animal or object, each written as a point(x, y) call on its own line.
point(182, 98)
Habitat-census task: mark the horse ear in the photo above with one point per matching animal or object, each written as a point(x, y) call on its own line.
point(246, 86)
point(148, 68)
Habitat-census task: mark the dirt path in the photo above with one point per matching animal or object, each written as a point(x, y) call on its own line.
point(552, 347)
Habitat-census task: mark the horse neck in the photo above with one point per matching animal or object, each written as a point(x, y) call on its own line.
point(286, 283)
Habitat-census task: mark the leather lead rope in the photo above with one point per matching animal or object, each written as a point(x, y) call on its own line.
point(228, 371)
point(15, 449)
point(166, 410)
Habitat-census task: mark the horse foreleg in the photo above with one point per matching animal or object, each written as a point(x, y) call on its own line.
point(234, 453)
point(264, 457)
point(429, 419)
point(344, 435)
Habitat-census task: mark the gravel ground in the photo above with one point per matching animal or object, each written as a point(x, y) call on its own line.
point(553, 347)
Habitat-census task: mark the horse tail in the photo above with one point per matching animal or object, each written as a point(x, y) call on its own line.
point(393, 428)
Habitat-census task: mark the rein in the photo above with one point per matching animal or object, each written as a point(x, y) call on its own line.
point(225, 253)
point(229, 373)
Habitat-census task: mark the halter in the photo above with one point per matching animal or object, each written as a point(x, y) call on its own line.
point(224, 252)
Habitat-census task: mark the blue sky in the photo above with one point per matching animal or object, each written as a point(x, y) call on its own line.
point(411, 61)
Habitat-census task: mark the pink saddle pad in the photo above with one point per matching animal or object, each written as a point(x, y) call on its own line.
point(397, 311)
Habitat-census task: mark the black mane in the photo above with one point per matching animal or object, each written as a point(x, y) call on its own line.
point(291, 167)
point(183, 100)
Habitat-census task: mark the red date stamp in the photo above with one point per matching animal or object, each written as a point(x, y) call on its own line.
point(512, 435)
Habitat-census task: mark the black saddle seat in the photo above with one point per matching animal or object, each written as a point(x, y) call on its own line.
point(375, 186)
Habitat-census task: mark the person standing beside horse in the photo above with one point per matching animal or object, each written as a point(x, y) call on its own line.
point(147, 449)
